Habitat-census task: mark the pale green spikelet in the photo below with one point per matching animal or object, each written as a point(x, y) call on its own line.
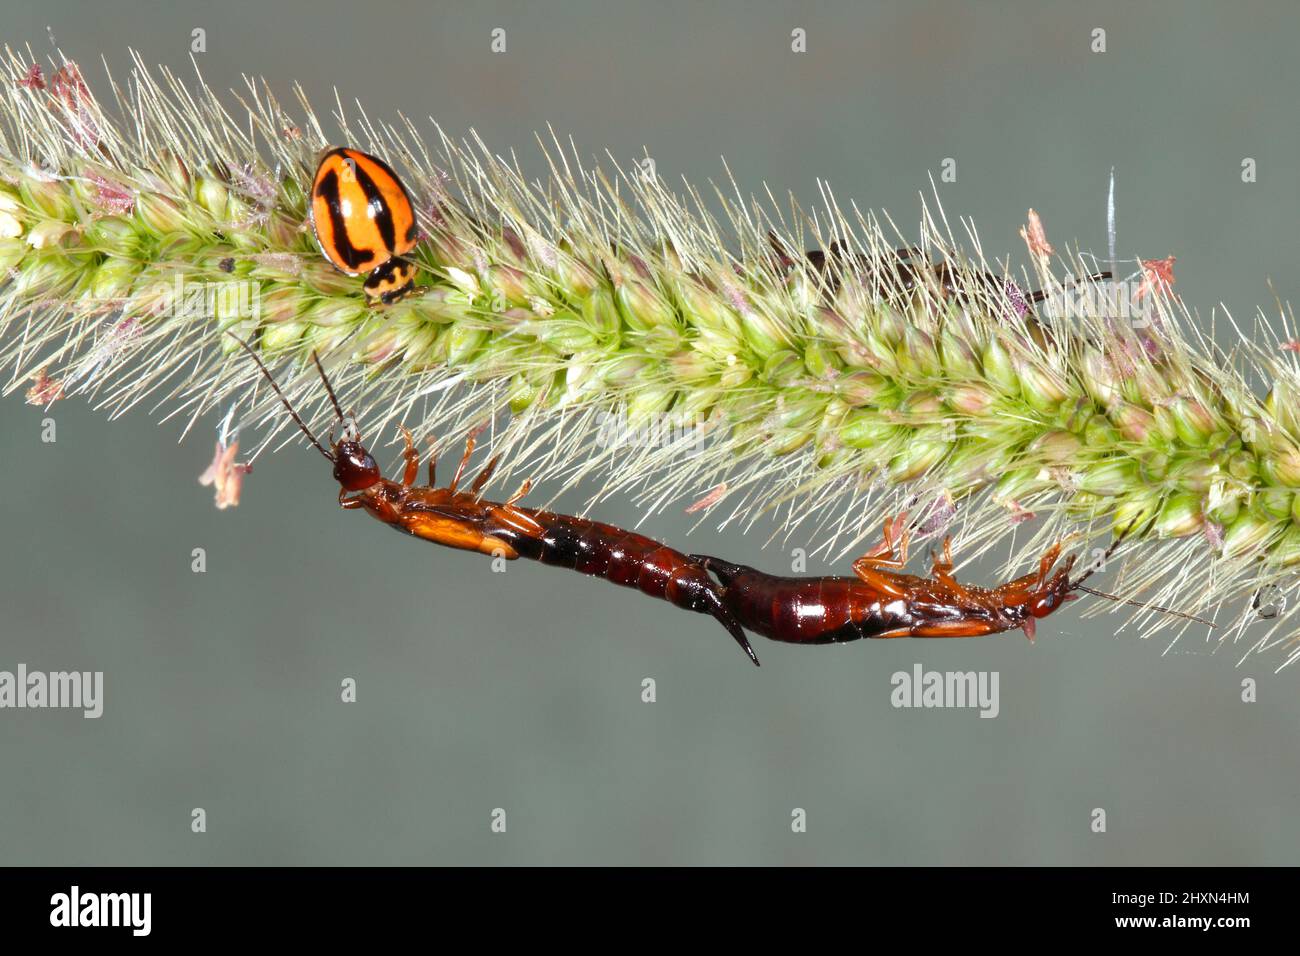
point(826, 400)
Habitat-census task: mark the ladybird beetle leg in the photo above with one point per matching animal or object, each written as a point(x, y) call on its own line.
point(483, 476)
point(464, 462)
point(411, 456)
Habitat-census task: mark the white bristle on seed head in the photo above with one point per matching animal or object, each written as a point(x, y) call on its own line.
point(796, 403)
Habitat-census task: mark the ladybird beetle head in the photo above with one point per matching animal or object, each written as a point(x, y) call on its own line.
point(354, 467)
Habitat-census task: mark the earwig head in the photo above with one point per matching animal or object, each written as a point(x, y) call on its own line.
point(1054, 592)
point(354, 467)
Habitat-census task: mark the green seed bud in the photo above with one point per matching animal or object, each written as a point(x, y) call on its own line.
point(46, 277)
point(1247, 535)
point(1041, 388)
point(924, 451)
point(1110, 478)
point(999, 370)
point(1276, 502)
point(864, 388)
point(1282, 465)
point(463, 342)
point(12, 252)
point(601, 315)
point(922, 407)
point(1193, 423)
point(160, 213)
point(973, 400)
point(763, 333)
point(688, 366)
point(917, 354)
point(1100, 433)
point(1133, 515)
point(1223, 505)
point(48, 198)
point(1135, 424)
point(113, 278)
point(275, 304)
point(1100, 378)
point(211, 194)
point(1180, 516)
point(819, 361)
point(642, 306)
point(865, 429)
point(1057, 448)
point(661, 341)
point(510, 286)
point(1285, 550)
point(113, 235)
point(334, 312)
point(959, 359)
point(282, 337)
point(647, 403)
point(624, 369)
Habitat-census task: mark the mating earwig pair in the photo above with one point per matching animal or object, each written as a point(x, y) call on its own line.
point(880, 602)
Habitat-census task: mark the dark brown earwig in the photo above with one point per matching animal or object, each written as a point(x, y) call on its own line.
point(880, 602)
point(899, 272)
point(464, 520)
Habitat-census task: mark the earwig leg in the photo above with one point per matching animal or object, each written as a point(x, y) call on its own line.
point(483, 476)
point(882, 581)
point(412, 458)
point(433, 465)
point(941, 570)
point(955, 629)
point(526, 487)
point(514, 519)
point(1036, 579)
point(1045, 563)
point(885, 558)
point(464, 461)
point(349, 504)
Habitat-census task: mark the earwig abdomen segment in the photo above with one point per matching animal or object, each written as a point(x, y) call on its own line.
point(621, 557)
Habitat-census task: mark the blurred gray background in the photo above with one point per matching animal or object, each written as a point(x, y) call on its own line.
point(222, 689)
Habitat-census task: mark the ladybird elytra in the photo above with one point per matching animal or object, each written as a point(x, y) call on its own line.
point(362, 218)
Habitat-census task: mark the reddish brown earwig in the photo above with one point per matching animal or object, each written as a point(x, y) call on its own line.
point(462, 519)
point(882, 603)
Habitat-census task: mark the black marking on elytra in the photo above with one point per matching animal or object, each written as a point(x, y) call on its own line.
point(328, 189)
point(383, 216)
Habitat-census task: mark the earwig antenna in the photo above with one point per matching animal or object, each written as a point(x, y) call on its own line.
point(328, 387)
point(1077, 584)
point(1150, 607)
point(283, 400)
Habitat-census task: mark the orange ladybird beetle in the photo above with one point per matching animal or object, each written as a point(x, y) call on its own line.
point(362, 217)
